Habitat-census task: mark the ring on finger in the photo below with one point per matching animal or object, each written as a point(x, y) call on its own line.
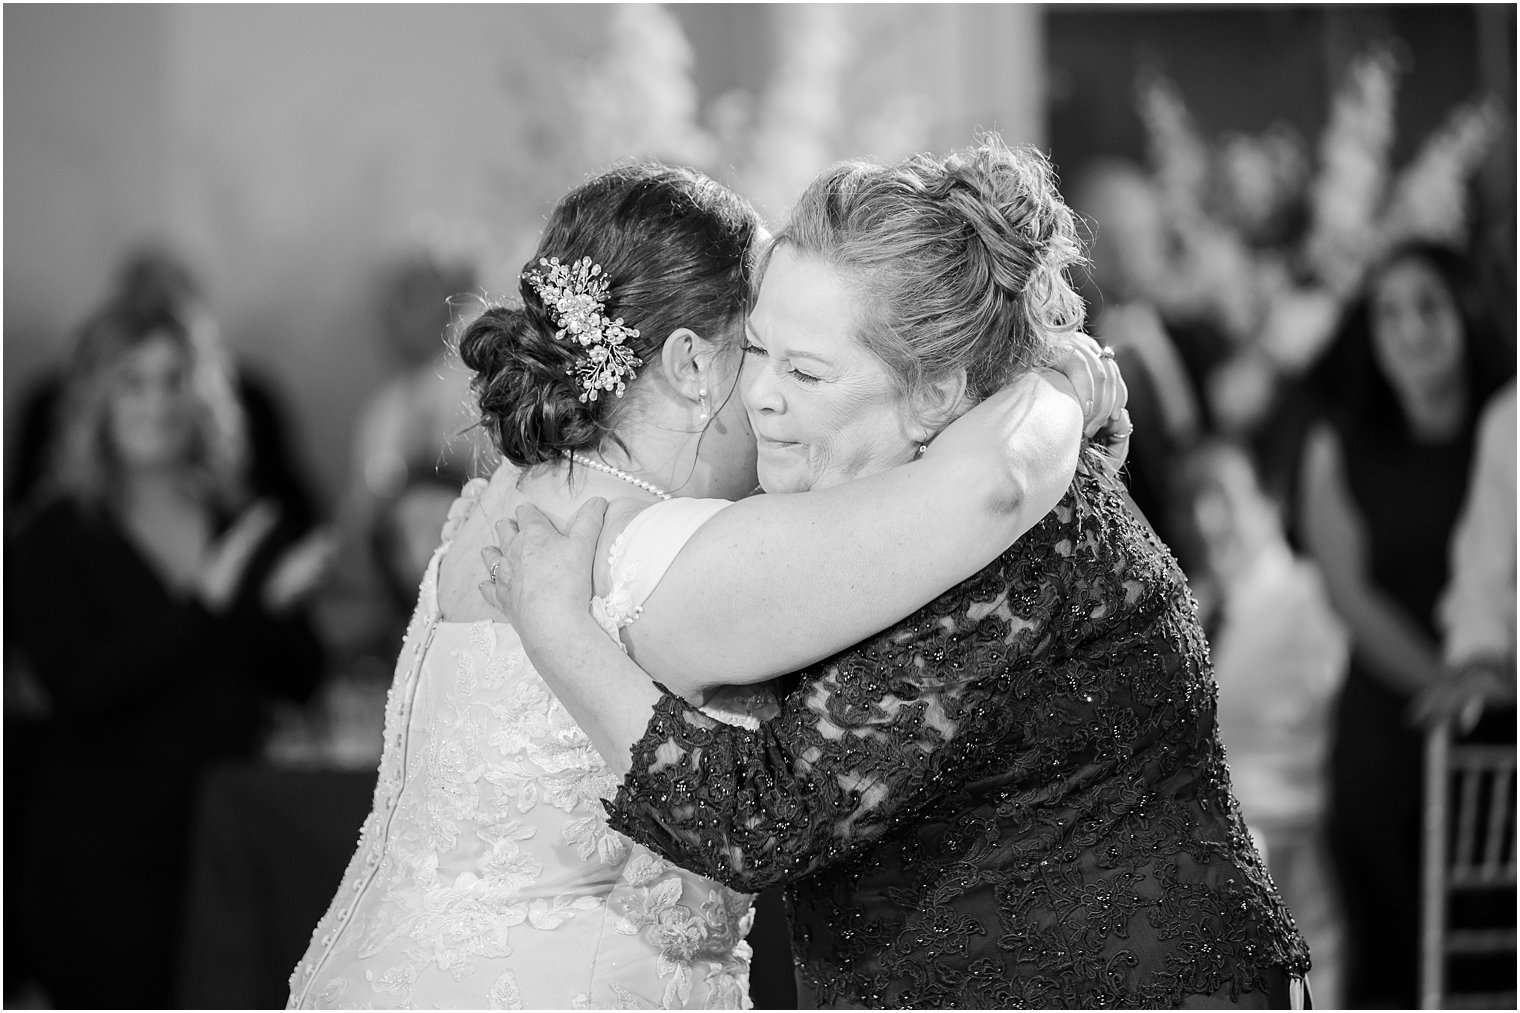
point(491, 573)
point(1105, 352)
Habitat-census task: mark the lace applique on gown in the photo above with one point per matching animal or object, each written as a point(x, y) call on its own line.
point(486, 876)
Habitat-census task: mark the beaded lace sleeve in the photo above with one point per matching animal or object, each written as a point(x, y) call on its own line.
point(1013, 798)
point(869, 739)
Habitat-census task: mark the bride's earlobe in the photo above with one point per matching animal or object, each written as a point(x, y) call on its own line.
point(687, 359)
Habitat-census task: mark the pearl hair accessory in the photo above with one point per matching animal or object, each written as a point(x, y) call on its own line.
point(576, 296)
point(616, 473)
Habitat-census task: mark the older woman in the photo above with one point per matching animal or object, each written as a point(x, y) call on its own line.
point(486, 874)
point(1013, 797)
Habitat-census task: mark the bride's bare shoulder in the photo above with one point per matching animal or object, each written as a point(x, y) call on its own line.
point(462, 568)
point(469, 528)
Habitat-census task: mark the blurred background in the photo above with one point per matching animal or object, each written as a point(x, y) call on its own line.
point(315, 194)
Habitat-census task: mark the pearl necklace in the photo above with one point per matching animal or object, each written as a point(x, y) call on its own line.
point(615, 473)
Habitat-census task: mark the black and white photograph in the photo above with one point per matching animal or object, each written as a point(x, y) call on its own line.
point(759, 506)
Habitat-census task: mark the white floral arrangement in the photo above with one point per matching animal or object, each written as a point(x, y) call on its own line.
point(576, 296)
point(638, 99)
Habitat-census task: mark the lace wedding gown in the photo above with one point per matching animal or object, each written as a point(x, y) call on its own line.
point(486, 876)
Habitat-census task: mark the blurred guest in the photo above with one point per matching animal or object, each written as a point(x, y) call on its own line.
point(159, 606)
point(412, 431)
point(1477, 621)
point(1383, 474)
point(1279, 654)
point(1126, 253)
point(1477, 610)
point(154, 276)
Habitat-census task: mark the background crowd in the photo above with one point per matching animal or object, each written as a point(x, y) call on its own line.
point(216, 516)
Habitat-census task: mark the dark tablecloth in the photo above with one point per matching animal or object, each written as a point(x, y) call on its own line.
point(269, 848)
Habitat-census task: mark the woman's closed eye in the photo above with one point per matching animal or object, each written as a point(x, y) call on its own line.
point(752, 349)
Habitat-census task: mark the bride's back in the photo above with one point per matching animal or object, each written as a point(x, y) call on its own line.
point(486, 873)
point(486, 876)
point(461, 571)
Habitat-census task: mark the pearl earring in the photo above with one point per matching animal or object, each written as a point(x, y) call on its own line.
point(703, 395)
point(922, 447)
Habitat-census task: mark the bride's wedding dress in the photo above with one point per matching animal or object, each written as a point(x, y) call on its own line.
point(486, 876)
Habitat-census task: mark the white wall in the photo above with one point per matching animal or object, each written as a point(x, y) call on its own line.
point(86, 139)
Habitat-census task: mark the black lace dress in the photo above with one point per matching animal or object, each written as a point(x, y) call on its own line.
point(1014, 797)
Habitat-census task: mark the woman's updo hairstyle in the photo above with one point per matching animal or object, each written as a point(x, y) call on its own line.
point(675, 248)
point(959, 263)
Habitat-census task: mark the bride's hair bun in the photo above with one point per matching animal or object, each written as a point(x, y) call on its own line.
point(531, 403)
point(960, 263)
point(674, 247)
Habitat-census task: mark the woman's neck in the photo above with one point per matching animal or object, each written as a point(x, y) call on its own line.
point(146, 487)
point(1435, 411)
point(170, 526)
point(661, 455)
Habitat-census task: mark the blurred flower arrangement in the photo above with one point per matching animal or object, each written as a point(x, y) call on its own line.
point(1267, 250)
point(639, 99)
point(635, 96)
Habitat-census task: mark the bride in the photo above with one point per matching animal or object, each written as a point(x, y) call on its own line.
point(486, 874)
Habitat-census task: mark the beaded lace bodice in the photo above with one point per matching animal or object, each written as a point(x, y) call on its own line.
point(486, 875)
point(1013, 798)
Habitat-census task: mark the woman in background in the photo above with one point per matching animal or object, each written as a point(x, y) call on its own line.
point(159, 607)
point(1383, 475)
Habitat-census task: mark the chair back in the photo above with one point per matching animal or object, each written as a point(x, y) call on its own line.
point(1469, 846)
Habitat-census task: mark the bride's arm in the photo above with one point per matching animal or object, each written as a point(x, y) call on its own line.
point(777, 582)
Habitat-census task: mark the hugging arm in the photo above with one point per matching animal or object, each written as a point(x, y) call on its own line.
point(842, 564)
point(854, 754)
point(857, 750)
point(777, 582)
point(867, 742)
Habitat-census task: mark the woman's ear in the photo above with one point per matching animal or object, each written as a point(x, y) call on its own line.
point(936, 405)
point(686, 359)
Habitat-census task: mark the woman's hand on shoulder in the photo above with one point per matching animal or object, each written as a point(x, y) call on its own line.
point(539, 577)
